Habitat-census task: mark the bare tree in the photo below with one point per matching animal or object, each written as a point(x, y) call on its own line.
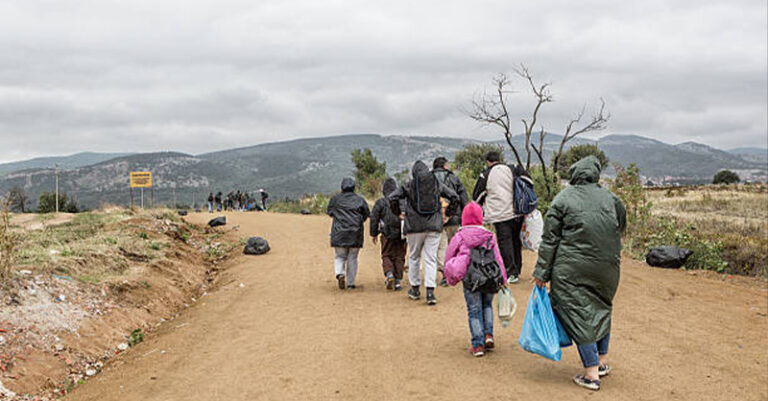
point(491, 109)
point(17, 199)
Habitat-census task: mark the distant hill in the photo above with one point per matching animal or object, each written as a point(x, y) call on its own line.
point(758, 155)
point(293, 168)
point(64, 162)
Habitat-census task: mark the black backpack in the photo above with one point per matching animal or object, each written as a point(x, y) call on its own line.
point(425, 190)
point(483, 273)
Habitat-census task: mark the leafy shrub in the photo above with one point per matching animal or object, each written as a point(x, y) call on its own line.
point(540, 187)
point(469, 162)
point(725, 177)
point(47, 203)
point(578, 152)
point(628, 187)
point(707, 253)
point(369, 172)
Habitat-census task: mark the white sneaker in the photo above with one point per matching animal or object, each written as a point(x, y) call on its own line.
point(513, 280)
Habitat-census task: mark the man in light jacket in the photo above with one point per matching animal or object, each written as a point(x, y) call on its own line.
point(495, 191)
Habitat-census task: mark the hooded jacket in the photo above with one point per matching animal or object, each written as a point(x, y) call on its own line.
point(383, 220)
point(450, 180)
point(471, 235)
point(416, 222)
point(495, 191)
point(580, 253)
point(349, 211)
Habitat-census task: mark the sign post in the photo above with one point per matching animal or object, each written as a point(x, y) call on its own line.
point(141, 179)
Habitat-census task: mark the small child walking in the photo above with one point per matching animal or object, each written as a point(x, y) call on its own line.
point(471, 235)
point(349, 211)
point(393, 246)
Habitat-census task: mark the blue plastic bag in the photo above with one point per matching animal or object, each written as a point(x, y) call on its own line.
point(562, 335)
point(539, 334)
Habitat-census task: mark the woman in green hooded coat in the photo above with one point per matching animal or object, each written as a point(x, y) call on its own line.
point(580, 255)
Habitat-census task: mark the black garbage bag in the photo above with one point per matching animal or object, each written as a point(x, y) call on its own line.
point(219, 221)
point(668, 257)
point(256, 246)
point(182, 212)
point(305, 212)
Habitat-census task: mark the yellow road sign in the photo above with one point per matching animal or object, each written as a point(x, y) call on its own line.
point(141, 179)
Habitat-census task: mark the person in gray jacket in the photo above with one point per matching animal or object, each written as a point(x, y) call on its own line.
point(349, 211)
point(423, 225)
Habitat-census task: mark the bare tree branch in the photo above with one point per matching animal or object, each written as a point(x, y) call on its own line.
point(598, 122)
point(491, 109)
point(542, 95)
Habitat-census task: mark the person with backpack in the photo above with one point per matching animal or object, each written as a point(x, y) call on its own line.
point(264, 197)
point(423, 225)
point(349, 211)
point(495, 191)
point(217, 199)
point(441, 170)
point(580, 255)
point(393, 246)
point(473, 258)
point(210, 202)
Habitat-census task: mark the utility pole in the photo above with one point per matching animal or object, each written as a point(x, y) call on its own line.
point(57, 186)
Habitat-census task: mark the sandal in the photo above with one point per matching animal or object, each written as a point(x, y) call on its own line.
point(582, 381)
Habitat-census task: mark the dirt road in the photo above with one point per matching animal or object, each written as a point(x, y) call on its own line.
point(289, 334)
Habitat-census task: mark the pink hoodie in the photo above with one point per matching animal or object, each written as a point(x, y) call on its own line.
point(471, 235)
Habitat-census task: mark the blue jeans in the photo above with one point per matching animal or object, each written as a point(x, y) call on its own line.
point(590, 353)
point(480, 312)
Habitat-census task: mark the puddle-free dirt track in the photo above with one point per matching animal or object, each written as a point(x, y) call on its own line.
point(289, 334)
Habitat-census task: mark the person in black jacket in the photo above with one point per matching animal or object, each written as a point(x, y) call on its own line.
point(441, 170)
point(349, 211)
point(210, 202)
point(393, 246)
point(423, 224)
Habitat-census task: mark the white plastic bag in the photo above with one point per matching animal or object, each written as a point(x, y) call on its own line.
point(533, 228)
point(507, 306)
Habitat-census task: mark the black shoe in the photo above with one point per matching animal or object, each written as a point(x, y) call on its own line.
point(604, 370)
point(350, 287)
point(342, 281)
point(431, 300)
point(398, 286)
point(414, 293)
point(444, 282)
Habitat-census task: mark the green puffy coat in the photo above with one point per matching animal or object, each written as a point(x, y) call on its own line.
point(580, 253)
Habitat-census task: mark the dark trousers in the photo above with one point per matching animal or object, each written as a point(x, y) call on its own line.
point(393, 256)
point(510, 245)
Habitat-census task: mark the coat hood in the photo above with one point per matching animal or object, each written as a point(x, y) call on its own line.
point(390, 185)
point(585, 171)
point(472, 215)
point(419, 169)
point(348, 185)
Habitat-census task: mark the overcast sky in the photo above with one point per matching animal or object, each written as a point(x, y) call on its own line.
point(196, 76)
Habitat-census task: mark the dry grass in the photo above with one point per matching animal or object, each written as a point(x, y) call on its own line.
point(97, 245)
point(9, 241)
point(735, 215)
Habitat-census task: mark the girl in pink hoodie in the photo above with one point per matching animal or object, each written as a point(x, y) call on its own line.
point(479, 305)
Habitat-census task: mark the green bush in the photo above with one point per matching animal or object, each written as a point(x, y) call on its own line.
point(469, 162)
point(726, 177)
point(369, 172)
point(706, 252)
point(578, 152)
point(540, 187)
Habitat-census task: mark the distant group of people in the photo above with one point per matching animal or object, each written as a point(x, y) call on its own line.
point(431, 219)
point(238, 201)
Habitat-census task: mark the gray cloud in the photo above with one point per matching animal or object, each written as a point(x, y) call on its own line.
point(198, 76)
